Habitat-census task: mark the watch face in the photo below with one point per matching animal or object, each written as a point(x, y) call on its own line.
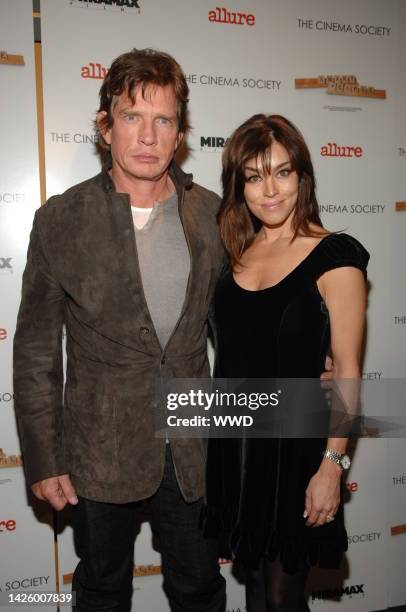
point(345, 462)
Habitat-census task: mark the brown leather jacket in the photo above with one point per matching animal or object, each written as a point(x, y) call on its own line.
point(82, 271)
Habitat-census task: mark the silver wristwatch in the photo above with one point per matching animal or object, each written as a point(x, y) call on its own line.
point(340, 458)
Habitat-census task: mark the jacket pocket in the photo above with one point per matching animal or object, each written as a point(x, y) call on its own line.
point(91, 435)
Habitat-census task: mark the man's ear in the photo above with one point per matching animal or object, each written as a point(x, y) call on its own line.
point(104, 131)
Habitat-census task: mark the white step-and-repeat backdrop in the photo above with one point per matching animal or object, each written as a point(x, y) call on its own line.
point(26, 534)
point(337, 70)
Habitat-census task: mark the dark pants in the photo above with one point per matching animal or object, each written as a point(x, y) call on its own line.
point(104, 537)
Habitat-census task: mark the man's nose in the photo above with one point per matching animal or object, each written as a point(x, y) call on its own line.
point(147, 133)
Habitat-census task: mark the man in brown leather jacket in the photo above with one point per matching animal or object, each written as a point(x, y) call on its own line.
point(127, 261)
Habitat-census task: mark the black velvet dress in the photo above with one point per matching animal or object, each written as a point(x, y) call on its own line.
point(256, 489)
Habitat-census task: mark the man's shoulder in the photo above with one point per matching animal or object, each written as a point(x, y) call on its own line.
point(83, 191)
point(205, 196)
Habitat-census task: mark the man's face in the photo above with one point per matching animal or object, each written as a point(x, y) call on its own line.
point(144, 135)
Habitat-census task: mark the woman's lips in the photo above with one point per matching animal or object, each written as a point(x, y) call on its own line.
point(271, 205)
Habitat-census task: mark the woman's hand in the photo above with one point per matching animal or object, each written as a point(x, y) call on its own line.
point(323, 494)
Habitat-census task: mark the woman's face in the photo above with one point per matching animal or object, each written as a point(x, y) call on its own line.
point(271, 197)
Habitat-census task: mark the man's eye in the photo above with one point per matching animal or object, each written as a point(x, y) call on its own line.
point(164, 120)
point(130, 118)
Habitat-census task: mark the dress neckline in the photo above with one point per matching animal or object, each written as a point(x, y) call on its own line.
point(288, 275)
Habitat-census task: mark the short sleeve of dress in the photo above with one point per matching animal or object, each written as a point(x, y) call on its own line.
point(339, 251)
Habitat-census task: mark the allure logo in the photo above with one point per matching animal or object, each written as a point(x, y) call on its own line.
point(93, 71)
point(7, 525)
point(223, 15)
point(332, 149)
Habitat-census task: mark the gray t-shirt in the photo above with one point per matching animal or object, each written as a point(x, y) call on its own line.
point(164, 261)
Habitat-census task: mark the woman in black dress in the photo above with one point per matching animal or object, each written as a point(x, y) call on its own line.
point(292, 291)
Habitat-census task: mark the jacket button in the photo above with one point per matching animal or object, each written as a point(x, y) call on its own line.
point(144, 330)
point(163, 360)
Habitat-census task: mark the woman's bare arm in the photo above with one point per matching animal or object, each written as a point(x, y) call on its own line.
point(344, 292)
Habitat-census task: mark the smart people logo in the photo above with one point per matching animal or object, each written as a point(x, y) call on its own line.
point(340, 85)
point(225, 16)
point(147, 570)
point(9, 461)
point(11, 59)
point(396, 530)
point(124, 6)
point(138, 571)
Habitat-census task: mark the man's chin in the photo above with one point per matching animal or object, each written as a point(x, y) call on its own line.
point(148, 174)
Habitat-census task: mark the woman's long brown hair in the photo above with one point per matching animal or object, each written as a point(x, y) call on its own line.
point(252, 140)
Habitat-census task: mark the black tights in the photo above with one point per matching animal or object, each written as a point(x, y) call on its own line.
point(270, 589)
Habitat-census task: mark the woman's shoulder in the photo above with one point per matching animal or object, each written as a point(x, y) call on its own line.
point(336, 250)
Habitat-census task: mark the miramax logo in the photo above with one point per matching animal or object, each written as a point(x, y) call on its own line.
point(338, 593)
point(212, 143)
point(106, 5)
point(340, 85)
point(5, 264)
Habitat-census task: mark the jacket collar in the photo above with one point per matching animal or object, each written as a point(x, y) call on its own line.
point(181, 179)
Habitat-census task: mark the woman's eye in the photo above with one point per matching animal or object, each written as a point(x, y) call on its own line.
point(285, 172)
point(253, 179)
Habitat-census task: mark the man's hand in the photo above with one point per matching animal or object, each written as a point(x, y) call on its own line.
point(57, 491)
